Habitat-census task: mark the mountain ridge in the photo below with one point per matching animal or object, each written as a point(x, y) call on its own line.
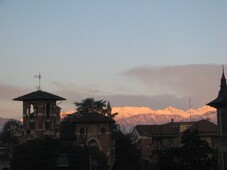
point(127, 121)
point(132, 111)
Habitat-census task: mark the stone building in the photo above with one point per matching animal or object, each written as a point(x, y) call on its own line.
point(41, 114)
point(220, 103)
point(96, 130)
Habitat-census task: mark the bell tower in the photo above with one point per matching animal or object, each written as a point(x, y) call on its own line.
point(40, 114)
point(220, 103)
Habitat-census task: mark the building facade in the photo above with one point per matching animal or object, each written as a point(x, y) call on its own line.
point(41, 114)
point(96, 130)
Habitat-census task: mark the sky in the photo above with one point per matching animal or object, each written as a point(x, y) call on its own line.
point(153, 53)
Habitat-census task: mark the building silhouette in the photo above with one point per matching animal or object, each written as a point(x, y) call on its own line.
point(151, 139)
point(220, 103)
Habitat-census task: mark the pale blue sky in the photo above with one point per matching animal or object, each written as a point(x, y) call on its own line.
point(86, 48)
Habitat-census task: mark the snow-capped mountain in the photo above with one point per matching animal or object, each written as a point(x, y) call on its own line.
point(128, 117)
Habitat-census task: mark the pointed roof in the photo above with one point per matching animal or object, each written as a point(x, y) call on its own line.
point(39, 95)
point(223, 79)
point(221, 100)
point(108, 107)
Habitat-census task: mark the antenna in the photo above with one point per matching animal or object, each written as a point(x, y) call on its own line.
point(190, 108)
point(39, 76)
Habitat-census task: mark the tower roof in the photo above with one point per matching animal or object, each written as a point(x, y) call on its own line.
point(39, 95)
point(221, 100)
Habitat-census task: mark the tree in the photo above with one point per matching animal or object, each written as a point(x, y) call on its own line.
point(90, 105)
point(126, 153)
point(47, 153)
point(8, 130)
point(37, 154)
point(194, 152)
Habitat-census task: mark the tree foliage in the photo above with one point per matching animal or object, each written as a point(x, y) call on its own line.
point(195, 153)
point(44, 154)
point(90, 105)
point(126, 153)
point(8, 130)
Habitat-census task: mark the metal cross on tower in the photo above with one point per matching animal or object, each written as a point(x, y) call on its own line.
point(39, 77)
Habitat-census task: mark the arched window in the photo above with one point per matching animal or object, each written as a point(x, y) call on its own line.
point(48, 110)
point(82, 131)
point(103, 130)
point(32, 108)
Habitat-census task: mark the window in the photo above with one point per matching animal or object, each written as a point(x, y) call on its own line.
point(32, 125)
point(47, 125)
point(32, 111)
point(103, 130)
point(224, 124)
point(48, 110)
point(28, 132)
point(82, 131)
point(32, 108)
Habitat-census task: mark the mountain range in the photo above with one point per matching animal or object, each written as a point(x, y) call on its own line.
point(128, 117)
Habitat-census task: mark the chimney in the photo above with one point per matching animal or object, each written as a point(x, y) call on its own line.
point(172, 120)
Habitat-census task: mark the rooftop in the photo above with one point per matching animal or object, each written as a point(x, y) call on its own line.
point(39, 95)
point(93, 117)
point(173, 128)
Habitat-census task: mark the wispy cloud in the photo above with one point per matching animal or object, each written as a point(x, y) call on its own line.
point(8, 92)
point(10, 108)
point(199, 82)
point(155, 102)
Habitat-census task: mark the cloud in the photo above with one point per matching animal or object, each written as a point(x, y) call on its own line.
point(168, 86)
point(10, 108)
point(159, 87)
point(199, 82)
point(8, 92)
point(155, 102)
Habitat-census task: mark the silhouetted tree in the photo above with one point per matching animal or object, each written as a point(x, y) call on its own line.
point(44, 153)
point(168, 159)
point(126, 153)
point(8, 130)
point(90, 105)
point(194, 152)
